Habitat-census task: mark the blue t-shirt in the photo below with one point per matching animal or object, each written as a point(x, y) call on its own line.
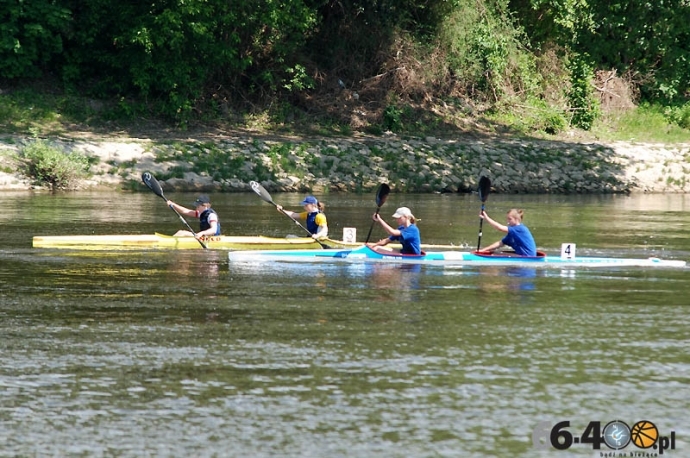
point(409, 238)
point(520, 239)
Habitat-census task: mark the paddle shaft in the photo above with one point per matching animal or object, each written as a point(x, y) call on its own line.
point(299, 224)
point(187, 224)
point(266, 197)
point(481, 220)
point(293, 219)
point(371, 228)
point(151, 182)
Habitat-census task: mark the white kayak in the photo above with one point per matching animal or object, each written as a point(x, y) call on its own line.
point(473, 258)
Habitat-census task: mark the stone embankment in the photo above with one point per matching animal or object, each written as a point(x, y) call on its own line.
point(359, 164)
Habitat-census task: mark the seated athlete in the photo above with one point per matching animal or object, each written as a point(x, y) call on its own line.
point(518, 237)
point(313, 215)
point(208, 218)
point(407, 232)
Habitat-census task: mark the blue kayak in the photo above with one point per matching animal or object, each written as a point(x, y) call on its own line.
point(478, 258)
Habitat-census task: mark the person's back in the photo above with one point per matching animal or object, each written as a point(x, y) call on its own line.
point(520, 239)
point(518, 236)
point(410, 239)
point(206, 219)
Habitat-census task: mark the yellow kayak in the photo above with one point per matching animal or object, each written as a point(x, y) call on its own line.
point(221, 242)
point(161, 241)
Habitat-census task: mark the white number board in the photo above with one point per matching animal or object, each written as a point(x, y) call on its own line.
point(567, 251)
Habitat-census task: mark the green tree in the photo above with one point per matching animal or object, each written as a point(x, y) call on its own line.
point(647, 41)
point(30, 36)
point(180, 52)
point(650, 41)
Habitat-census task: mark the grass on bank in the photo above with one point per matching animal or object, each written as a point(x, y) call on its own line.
point(645, 124)
point(36, 113)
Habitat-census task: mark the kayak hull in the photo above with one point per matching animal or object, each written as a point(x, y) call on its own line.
point(444, 258)
point(168, 242)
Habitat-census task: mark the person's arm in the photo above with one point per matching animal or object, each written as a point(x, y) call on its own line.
point(382, 242)
point(210, 231)
point(181, 210)
point(322, 231)
point(291, 214)
point(386, 226)
point(496, 225)
point(493, 246)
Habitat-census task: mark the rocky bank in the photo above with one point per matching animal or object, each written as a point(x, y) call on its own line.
point(228, 163)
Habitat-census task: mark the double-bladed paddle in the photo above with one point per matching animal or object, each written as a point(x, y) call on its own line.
point(483, 190)
point(266, 197)
point(153, 184)
point(381, 196)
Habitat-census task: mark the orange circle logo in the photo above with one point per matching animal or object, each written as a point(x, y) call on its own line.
point(644, 434)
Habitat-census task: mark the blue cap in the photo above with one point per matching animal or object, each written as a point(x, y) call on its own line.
point(309, 200)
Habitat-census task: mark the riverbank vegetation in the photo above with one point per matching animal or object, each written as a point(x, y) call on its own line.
point(590, 69)
point(48, 165)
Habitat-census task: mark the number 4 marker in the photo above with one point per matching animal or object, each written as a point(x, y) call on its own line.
point(567, 251)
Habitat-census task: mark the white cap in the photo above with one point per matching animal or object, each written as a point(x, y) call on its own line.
point(402, 211)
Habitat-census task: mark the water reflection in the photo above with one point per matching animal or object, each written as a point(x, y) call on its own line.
point(206, 267)
point(517, 281)
point(393, 281)
point(526, 276)
point(502, 279)
point(185, 355)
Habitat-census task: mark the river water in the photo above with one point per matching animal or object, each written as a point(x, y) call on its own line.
point(178, 353)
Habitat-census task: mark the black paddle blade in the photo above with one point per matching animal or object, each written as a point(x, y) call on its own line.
point(382, 194)
point(153, 184)
point(484, 188)
point(261, 192)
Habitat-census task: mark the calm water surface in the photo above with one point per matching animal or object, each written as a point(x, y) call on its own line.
point(165, 353)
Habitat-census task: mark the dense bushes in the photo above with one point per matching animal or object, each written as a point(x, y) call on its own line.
point(204, 58)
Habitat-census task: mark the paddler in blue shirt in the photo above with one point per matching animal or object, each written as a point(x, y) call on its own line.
point(407, 232)
point(519, 238)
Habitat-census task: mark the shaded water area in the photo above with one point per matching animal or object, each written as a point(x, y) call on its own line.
point(178, 353)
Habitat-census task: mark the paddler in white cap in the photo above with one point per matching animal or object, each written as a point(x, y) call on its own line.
point(406, 234)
